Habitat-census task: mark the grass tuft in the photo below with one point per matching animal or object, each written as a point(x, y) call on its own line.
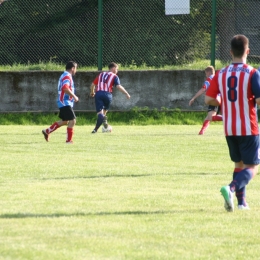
point(136, 116)
point(54, 66)
point(140, 192)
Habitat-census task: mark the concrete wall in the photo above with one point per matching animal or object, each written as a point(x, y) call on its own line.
point(37, 90)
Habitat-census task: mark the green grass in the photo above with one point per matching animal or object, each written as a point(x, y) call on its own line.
point(135, 116)
point(54, 66)
point(141, 192)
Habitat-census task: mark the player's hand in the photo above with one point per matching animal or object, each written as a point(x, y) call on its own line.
point(128, 96)
point(191, 101)
point(92, 94)
point(76, 99)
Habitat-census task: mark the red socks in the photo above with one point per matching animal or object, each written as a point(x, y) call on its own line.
point(204, 127)
point(69, 135)
point(217, 118)
point(52, 128)
point(207, 122)
point(55, 126)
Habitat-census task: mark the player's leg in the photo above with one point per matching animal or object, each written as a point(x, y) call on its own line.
point(99, 108)
point(105, 123)
point(217, 116)
point(100, 118)
point(246, 149)
point(68, 118)
point(71, 117)
point(107, 101)
point(205, 125)
point(236, 157)
point(70, 130)
point(249, 149)
point(241, 193)
point(46, 132)
point(238, 185)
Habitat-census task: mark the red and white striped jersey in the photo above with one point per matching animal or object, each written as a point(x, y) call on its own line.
point(65, 81)
point(235, 84)
point(105, 81)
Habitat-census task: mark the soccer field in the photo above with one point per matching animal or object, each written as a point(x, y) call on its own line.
point(140, 192)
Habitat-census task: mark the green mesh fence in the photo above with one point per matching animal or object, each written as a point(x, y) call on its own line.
point(134, 32)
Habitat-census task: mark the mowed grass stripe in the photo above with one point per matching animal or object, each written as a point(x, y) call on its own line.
point(141, 192)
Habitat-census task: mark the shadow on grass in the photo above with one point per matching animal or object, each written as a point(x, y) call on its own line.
point(132, 175)
point(99, 176)
point(82, 214)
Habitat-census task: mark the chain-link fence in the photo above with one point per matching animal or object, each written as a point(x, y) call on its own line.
point(133, 32)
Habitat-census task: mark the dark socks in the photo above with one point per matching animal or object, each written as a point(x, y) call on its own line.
point(99, 121)
point(240, 180)
point(241, 193)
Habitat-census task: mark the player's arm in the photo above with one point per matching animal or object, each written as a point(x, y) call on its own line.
point(92, 90)
point(256, 87)
point(67, 91)
point(93, 87)
point(122, 89)
point(199, 93)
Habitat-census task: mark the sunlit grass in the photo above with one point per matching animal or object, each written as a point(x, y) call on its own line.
point(54, 66)
point(140, 192)
point(136, 116)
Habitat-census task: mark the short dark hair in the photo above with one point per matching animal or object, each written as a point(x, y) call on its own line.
point(112, 65)
point(239, 43)
point(70, 65)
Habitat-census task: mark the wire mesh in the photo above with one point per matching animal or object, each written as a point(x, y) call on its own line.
point(134, 33)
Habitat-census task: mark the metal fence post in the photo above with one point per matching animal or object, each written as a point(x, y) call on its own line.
point(213, 34)
point(100, 33)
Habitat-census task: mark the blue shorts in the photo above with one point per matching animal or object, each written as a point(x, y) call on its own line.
point(103, 100)
point(244, 148)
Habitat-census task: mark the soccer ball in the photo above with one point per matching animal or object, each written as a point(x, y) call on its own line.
point(107, 130)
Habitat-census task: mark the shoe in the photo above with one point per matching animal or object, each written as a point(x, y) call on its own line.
point(70, 142)
point(105, 124)
point(228, 197)
point(93, 132)
point(46, 136)
point(243, 207)
point(202, 131)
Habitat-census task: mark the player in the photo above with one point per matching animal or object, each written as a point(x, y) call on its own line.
point(213, 111)
point(239, 86)
point(101, 88)
point(65, 102)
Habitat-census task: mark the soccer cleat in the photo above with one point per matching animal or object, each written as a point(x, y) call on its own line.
point(93, 132)
point(201, 132)
point(46, 136)
point(243, 207)
point(69, 142)
point(228, 197)
point(105, 124)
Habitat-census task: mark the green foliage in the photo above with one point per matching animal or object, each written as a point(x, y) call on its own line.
point(136, 116)
point(55, 66)
point(60, 30)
